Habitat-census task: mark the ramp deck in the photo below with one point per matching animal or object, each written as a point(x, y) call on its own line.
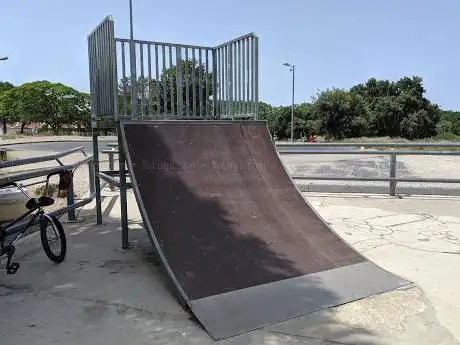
point(241, 244)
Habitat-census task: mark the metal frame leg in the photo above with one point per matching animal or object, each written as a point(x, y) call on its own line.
point(97, 181)
point(123, 196)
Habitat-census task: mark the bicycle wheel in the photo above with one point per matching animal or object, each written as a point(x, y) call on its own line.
point(53, 238)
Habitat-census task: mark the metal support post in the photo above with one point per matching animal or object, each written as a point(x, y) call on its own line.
point(70, 201)
point(393, 174)
point(123, 196)
point(96, 177)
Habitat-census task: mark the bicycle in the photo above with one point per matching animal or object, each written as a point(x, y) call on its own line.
point(35, 209)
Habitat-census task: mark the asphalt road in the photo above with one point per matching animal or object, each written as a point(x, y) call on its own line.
point(88, 146)
point(58, 146)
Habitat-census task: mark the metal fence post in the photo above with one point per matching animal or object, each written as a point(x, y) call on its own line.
point(71, 201)
point(392, 173)
point(111, 166)
point(92, 183)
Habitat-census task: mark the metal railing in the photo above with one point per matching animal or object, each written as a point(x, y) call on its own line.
point(72, 204)
point(151, 79)
point(312, 149)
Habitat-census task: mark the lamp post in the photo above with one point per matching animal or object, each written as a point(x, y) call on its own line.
point(292, 69)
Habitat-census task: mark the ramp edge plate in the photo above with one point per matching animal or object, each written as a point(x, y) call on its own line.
point(237, 312)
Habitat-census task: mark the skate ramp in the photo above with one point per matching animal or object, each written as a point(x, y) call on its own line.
point(241, 245)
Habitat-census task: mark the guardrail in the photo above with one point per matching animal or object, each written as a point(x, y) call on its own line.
point(312, 149)
point(36, 173)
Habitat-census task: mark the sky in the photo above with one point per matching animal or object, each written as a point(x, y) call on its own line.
point(332, 43)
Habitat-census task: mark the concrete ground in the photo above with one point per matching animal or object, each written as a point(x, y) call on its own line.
point(102, 294)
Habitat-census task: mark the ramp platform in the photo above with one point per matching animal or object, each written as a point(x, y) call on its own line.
point(242, 246)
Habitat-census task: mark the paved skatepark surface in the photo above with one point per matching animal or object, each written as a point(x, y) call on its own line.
point(233, 231)
point(103, 294)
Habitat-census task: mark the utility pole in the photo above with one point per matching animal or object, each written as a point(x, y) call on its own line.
point(292, 69)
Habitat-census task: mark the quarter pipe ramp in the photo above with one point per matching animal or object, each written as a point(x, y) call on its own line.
point(242, 246)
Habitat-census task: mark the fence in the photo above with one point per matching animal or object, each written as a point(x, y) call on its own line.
point(311, 149)
point(149, 79)
point(24, 175)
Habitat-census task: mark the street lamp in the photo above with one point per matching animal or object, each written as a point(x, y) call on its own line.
point(292, 69)
point(3, 58)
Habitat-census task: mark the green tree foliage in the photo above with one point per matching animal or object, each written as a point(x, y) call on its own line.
point(343, 114)
point(4, 109)
point(162, 93)
point(374, 108)
point(53, 104)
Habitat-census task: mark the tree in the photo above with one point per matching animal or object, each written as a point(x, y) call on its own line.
point(5, 111)
point(343, 114)
point(54, 104)
point(163, 93)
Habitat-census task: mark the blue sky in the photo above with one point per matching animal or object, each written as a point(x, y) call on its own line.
point(333, 43)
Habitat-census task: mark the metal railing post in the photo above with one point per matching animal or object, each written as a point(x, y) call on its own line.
point(111, 166)
point(71, 202)
point(91, 177)
point(393, 173)
point(123, 194)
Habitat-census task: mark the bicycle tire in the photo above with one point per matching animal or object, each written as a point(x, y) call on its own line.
point(45, 220)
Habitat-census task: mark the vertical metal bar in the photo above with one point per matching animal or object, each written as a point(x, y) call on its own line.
point(149, 94)
point(123, 72)
point(207, 82)
point(239, 109)
point(226, 80)
point(165, 82)
point(230, 70)
point(243, 80)
point(111, 166)
point(180, 98)
point(71, 201)
point(194, 81)
point(132, 62)
point(123, 196)
point(171, 81)
point(141, 47)
point(200, 80)
point(222, 82)
point(393, 173)
point(248, 102)
point(92, 183)
point(157, 80)
point(256, 78)
point(103, 78)
point(96, 176)
point(187, 84)
point(94, 112)
point(214, 83)
point(253, 83)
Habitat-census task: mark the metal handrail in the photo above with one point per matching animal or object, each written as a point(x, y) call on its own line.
point(44, 158)
point(312, 145)
point(392, 179)
point(39, 172)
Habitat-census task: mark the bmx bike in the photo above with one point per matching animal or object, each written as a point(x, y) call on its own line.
point(35, 214)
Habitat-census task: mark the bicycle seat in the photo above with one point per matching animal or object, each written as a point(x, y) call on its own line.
point(40, 202)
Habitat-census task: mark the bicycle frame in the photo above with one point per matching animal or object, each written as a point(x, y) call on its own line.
point(4, 228)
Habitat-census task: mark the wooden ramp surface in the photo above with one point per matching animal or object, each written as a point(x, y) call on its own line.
point(242, 246)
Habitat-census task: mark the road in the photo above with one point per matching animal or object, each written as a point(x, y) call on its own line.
point(58, 146)
point(88, 146)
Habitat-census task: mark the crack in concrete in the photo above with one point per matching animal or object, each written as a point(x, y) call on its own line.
point(386, 232)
